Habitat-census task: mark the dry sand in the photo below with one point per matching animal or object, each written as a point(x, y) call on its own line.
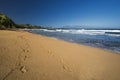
point(26, 56)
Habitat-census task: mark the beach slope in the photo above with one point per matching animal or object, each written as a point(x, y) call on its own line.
point(26, 56)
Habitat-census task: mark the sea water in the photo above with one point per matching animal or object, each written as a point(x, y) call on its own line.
point(108, 39)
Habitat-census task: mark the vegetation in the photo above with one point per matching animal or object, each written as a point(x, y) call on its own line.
point(7, 23)
point(27, 26)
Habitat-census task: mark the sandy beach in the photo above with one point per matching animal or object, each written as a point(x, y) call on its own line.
point(26, 56)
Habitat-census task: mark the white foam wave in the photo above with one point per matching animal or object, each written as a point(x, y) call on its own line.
point(91, 32)
point(83, 31)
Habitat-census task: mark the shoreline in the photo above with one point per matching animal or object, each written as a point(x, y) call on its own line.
point(108, 50)
point(28, 56)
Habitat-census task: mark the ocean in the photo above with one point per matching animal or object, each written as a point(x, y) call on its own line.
point(107, 39)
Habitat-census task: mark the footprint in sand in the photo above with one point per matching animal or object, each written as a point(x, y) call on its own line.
point(50, 53)
point(24, 50)
point(65, 66)
point(25, 58)
point(23, 69)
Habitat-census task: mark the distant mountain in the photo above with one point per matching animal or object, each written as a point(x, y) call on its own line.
point(6, 22)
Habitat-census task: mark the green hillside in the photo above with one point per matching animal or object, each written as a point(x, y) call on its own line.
point(5, 22)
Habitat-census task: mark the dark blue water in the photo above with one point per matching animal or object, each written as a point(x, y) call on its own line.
point(105, 39)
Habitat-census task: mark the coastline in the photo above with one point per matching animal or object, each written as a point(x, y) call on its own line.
point(24, 55)
point(102, 40)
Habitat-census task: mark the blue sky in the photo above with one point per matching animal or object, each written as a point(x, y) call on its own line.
point(99, 13)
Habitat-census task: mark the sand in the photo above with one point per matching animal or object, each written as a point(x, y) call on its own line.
point(26, 56)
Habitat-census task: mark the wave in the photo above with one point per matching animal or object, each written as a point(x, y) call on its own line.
point(94, 32)
point(86, 32)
